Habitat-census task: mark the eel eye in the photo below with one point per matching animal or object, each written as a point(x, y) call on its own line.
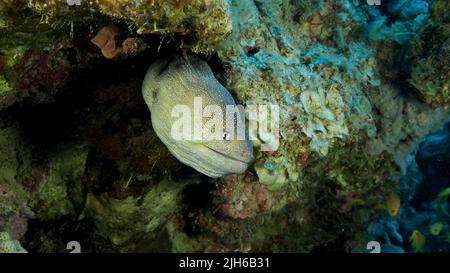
point(226, 136)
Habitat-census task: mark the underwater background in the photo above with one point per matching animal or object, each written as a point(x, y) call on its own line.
point(363, 88)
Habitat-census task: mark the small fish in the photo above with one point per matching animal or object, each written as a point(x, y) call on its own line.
point(437, 228)
point(417, 240)
point(441, 200)
point(393, 204)
point(175, 81)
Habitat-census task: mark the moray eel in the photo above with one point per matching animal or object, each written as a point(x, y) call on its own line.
point(177, 80)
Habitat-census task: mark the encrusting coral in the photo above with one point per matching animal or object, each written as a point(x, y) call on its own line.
point(347, 119)
point(429, 57)
point(7, 245)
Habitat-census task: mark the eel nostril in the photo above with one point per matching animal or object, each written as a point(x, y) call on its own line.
point(226, 136)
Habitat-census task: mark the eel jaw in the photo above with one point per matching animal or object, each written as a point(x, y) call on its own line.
point(246, 162)
point(214, 164)
point(211, 162)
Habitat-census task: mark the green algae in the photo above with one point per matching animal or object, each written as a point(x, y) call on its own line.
point(335, 135)
point(62, 192)
point(8, 245)
point(4, 86)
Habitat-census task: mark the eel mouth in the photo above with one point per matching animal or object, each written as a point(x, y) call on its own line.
point(240, 160)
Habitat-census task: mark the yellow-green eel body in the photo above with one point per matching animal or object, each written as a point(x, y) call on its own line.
point(177, 80)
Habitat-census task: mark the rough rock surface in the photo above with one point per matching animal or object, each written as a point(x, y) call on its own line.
point(81, 161)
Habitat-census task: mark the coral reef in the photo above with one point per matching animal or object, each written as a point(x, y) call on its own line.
point(7, 245)
point(401, 20)
point(62, 190)
point(246, 200)
point(358, 88)
point(16, 158)
point(144, 214)
point(429, 57)
point(422, 223)
point(207, 22)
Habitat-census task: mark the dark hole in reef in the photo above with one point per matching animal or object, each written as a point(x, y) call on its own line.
point(215, 63)
point(433, 159)
point(252, 51)
point(48, 124)
point(195, 198)
point(51, 123)
point(384, 8)
point(219, 69)
point(297, 16)
point(50, 236)
point(182, 172)
point(325, 213)
point(76, 116)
